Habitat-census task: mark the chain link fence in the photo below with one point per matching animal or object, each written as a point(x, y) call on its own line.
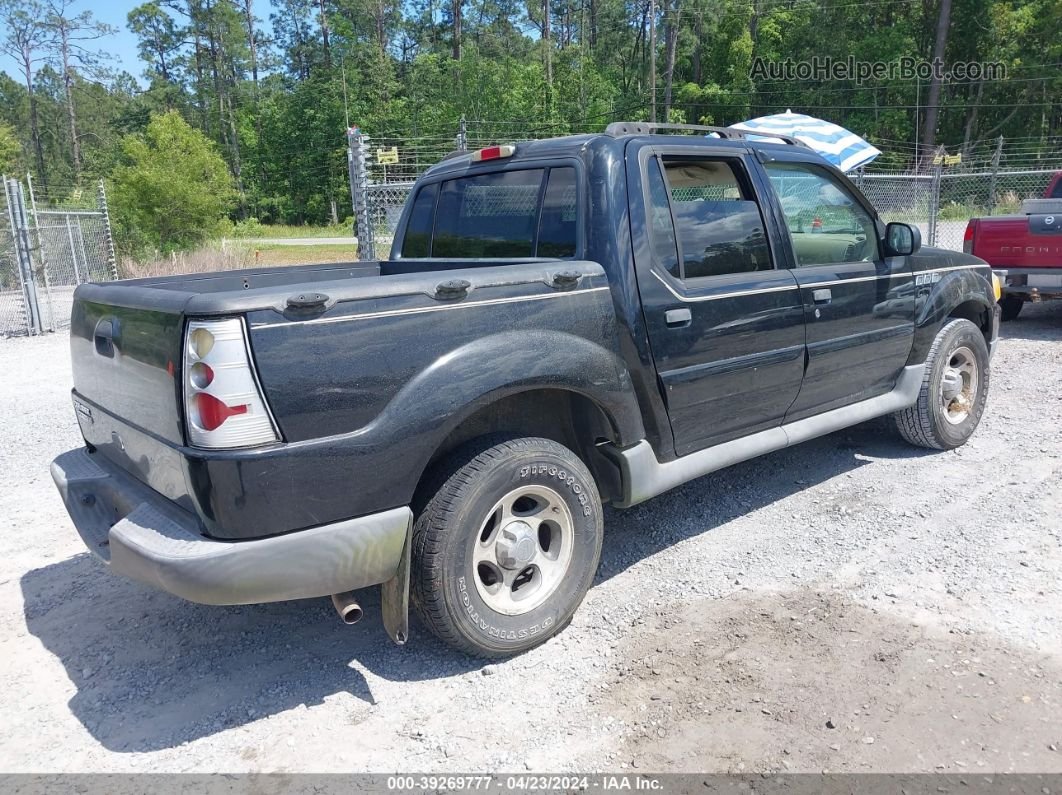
point(942, 203)
point(14, 315)
point(47, 248)
point(386, 203)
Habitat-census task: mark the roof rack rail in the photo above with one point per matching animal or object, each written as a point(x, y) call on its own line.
point(619, 128)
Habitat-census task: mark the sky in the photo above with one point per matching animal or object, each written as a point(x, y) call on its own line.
point(123, 44)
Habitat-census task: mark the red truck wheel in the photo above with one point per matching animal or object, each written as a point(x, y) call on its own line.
point(505, 550)
point(1011, 306)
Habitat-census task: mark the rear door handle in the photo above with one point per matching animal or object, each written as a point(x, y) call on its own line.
point(676, 318)
point(822, 296)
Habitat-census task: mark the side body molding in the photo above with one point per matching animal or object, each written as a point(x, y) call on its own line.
point(645, 477)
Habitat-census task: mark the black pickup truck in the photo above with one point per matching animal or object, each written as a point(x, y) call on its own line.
point(562, 323)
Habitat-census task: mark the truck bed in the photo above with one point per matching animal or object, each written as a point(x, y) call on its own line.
point(344, 355)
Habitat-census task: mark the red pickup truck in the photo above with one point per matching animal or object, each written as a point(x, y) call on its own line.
point(1027, 247)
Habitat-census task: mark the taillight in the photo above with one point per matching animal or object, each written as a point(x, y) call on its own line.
point(222, 400)
point(968, 236)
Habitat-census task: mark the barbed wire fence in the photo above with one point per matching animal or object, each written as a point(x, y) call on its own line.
point(986, 178)
point(51, 242)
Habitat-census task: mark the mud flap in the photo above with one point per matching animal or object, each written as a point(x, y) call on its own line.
point(394, 595)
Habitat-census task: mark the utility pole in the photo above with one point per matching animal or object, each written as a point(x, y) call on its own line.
point(548, 51)
point(462, 136)
point(652, 57)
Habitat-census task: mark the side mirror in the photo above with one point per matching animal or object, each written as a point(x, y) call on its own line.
point(902, 240)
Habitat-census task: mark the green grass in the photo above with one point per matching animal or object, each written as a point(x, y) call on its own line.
point(251, 228)
point(222, 255)
point(267, 254)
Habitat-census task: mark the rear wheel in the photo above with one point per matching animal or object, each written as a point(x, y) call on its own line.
point(1011, 306)
point(506, 548)
point(954, 389)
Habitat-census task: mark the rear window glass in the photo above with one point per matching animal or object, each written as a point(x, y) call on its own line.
point(496, 215)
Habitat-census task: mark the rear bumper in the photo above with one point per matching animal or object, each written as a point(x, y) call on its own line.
point(142, 535)
point(1031, 284)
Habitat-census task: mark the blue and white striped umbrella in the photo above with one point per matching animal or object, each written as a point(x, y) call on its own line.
point(839, 146)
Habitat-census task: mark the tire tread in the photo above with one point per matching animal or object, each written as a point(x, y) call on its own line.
point(429, 532)
point(915, 422)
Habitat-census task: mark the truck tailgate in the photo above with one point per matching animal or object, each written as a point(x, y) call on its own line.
point(1020, 241)
point(124, 360)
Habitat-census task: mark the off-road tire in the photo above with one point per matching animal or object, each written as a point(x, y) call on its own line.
point(924, 424)
point(449, 525)
point(1010, 306)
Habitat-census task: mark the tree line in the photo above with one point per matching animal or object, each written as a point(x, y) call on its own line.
point(271, 88)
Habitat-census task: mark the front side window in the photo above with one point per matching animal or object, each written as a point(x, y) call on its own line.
point(527, 213)
point(826, 223)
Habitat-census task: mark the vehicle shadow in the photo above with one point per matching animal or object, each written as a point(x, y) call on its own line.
point(715, 499)
point(152, 671)
point(1038, 322)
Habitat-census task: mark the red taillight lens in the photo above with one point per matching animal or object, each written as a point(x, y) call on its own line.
point(968, 237)
point(212, 412)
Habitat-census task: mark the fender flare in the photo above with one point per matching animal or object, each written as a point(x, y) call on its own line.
point(488, 369)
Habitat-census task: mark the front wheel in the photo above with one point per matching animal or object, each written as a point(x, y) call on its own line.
point(505, 550)
point(954, 390)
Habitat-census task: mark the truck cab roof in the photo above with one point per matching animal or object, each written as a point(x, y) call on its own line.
point(619, 134)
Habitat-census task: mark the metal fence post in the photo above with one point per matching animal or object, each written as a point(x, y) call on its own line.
point(73, 250)
point(359, 183)
point(934, 195)
point(108, 238)
point(995, 174)
point(42, 255)
point(16, 210)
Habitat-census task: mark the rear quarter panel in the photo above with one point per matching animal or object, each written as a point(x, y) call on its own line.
point(365, 392)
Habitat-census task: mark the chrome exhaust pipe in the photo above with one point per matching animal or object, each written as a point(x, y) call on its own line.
point(347, 606)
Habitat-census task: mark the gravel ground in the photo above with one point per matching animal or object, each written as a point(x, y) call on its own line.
point(852, 604)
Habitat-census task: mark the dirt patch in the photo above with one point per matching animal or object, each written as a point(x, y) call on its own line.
point(809, 680)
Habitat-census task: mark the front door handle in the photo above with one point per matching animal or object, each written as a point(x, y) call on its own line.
point(676, 318)
point(822, 296)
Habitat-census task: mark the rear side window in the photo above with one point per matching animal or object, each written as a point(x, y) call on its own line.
point(527, 213)
point(556, 227)
point(716, 218)
point(1056, 192)
point(662, 228)
point(418, 233)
